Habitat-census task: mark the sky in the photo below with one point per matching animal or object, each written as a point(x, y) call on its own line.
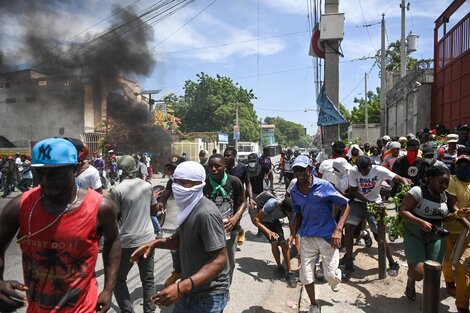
point(263, 45)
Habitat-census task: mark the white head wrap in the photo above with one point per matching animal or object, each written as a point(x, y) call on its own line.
point(187, 198)
point(357, 147)
point(343, 167)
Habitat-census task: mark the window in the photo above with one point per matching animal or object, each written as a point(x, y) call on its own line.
point(10, 100)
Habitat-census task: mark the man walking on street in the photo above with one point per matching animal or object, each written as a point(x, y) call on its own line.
point(59, 226)
point(312, 200)
point(239, 170)
point(134, 200)
point(201, 240)
point(227, 192)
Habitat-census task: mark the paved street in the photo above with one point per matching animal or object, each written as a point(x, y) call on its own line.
point(255, 287)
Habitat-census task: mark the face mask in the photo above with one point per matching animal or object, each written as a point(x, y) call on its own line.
point(252, 164)
point(411, 156)
point(463, 173)
point(340, 175)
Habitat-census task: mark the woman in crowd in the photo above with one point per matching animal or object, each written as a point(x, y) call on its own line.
point(424, 209)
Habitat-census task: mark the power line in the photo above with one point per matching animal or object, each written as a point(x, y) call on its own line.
point(365, 23)
point(233, 43)
point(187, 22)
point(358, 84)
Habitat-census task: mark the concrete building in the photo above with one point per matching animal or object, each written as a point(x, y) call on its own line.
point(35, 105)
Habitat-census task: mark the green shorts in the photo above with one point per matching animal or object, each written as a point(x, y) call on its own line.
point(417, 250)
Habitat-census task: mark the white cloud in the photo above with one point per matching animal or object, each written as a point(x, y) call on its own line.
point(200, 39)
point(287, 6)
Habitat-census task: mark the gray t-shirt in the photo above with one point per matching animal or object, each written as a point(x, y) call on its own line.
point(429, 208)
point(203, 232)
point(133, 198)
point(273, 211)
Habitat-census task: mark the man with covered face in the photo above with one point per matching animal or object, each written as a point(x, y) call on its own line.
point(201, 240)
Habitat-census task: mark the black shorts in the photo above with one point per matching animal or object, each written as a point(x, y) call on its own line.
point(275, 227)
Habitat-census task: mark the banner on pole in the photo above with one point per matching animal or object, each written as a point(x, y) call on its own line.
point(328, 114)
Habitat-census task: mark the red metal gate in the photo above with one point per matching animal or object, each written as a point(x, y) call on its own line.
point(451, 92)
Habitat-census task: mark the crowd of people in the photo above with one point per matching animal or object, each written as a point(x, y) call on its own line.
point(60, 221)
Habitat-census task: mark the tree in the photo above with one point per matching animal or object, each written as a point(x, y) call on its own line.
point(373, 108)
point(344, 127)
point(392, 58)
point(288, 133)
point(209, 105)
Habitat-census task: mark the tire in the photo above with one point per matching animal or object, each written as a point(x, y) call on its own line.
point(277, 168)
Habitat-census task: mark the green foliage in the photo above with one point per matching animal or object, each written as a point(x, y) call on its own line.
point(392, 58)
point(289, 134)
point(358, 114)
point(344, 127)
point(209, 105)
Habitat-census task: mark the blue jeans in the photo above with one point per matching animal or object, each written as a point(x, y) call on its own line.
point(121, 292)
point(156, 224)
point(204, 304)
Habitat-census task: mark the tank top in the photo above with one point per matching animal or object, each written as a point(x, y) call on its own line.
point(59, 262)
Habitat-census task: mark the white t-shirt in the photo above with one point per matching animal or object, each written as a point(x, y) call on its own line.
point(89, 179)
point(328, 172)
point(369, 186)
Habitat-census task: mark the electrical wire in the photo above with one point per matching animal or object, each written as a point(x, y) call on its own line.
point(365, 23)
point(186, 23)
point(359, 83)
point(233, 43)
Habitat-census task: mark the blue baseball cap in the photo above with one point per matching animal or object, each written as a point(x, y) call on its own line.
point(54, 152)
point(302, 161)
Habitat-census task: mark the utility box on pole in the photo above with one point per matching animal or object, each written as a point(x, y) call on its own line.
point(332, 26)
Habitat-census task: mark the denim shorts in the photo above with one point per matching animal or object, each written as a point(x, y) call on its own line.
point(202, 304)
point(358, 212)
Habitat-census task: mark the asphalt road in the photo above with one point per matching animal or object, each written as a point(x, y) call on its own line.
point(255, 288)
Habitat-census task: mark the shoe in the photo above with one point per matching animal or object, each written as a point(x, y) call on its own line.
point(348, 269)
point(410, 294)
point(159, 234)
point(291, 280)
point(319, 273)
point(314, 308)
point(393, 269)
point(173, 278)
point(241, 238)
point(336, 287)
point(282, 273)
point(450, 288)
point(367, 239)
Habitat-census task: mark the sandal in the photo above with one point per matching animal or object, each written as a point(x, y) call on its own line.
point(410, 293)
point(240, 238)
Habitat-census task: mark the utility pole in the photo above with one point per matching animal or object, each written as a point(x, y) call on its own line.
point(383, 102)
point(331, 133)
point(365, 108)
point(402, 41)
point(237, 127)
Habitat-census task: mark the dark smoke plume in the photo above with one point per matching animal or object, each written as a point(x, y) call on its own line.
point(122, 50)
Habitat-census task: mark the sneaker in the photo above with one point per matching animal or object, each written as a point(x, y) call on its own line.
point(282, 273)
point(393, 269)
point(314, 308)
point(450, 288)
point(173, 278)
point(291, 280)
point(348, 269)
point(319, 273)
point(336, 287)
point(367, 239)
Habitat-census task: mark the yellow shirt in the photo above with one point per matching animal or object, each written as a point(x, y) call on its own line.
point(460, 190)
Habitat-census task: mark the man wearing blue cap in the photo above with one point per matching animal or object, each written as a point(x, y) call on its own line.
point(312, 201)
point(59, 226)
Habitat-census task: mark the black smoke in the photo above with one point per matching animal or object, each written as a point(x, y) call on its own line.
point(122, 50)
